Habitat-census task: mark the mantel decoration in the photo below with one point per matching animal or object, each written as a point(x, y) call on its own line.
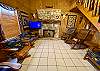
point(49, 14)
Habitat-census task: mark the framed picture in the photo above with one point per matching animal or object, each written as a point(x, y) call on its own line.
point(71, 20)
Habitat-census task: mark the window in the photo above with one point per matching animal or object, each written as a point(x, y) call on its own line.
point(9, 22)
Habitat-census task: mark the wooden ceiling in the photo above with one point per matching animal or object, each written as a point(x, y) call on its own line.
point(30, 6)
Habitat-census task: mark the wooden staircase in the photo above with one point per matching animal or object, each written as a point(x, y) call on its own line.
point(88, 14)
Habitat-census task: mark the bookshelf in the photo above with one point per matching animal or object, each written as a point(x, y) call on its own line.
point(23, 21)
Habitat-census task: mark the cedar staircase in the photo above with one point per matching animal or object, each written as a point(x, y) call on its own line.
point(87, 13)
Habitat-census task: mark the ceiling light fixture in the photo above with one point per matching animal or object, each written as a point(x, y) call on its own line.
point(49, 6)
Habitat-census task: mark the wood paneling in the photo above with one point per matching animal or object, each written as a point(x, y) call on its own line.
point(30, 6)
point(22, 5)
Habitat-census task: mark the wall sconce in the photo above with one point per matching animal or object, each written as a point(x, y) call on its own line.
point(64, 15)
point(49, 6)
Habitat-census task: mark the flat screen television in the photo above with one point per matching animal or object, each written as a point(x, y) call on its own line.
point(35, 24)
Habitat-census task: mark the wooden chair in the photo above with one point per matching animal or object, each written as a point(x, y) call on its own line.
point(93, 53)
point(3, 56)
point(80, 37)
point(22, 54)
point(94, 44)
point(13, 52)
point(70, 34)
point(90, 35)
point(28, 38)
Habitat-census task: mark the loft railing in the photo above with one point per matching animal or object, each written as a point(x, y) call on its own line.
point(91, 5)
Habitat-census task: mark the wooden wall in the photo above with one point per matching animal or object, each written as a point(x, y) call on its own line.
point(30, 6)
